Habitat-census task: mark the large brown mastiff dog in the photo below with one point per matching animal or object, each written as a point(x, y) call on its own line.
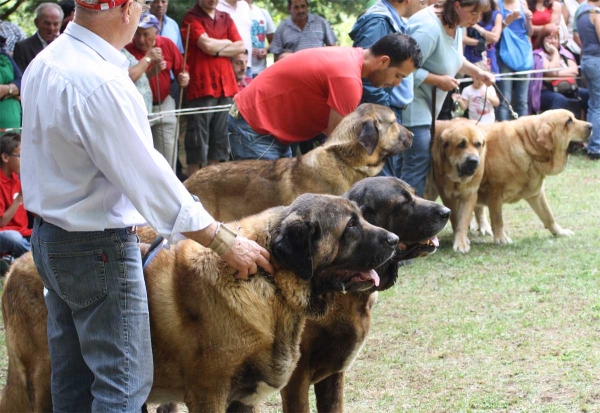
point(457, 167)
point(217, 341)
point(331, 343)
point(520, 155)
point(356, 149)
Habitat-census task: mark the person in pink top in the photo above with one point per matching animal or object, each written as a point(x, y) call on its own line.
point(309, 93)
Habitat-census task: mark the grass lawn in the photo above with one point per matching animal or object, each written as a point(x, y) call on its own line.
point(513, 328)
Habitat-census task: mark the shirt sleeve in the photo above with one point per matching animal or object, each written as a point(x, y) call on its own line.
point(122, 150)
point(232, 31)
point(277, 46)
point(18, 75)
point(344, 94)
point(427, 44)
point(270, 26)
point(330, 38)
point(196, 29)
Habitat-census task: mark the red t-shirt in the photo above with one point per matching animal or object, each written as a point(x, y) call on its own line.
point(291, 99)
point(9, 189)
point(174, 60)
point(209, 75)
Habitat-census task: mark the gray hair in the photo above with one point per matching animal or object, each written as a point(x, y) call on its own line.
point(40, 9)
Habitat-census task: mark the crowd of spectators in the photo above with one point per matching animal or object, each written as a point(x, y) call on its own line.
point(220, 50)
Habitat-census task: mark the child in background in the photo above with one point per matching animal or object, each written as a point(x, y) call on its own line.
point(14, 233)
point(473, 97)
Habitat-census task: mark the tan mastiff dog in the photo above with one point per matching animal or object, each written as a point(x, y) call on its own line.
point(357, 149)
point(217, 342)
point(520, 154)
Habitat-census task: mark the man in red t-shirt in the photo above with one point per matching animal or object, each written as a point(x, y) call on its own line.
point(14, 234)
point(310, 91)
point(164, 129)
point(213, 40)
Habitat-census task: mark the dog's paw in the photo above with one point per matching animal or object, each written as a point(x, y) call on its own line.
point(462, 246)
point(503, 240)
point(473, 225)
point(485, 229)
point(561, 232)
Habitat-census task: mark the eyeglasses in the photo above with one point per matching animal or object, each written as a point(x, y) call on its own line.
point(16, 155)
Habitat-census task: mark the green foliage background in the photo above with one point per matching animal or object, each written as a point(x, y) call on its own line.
point(341, 14)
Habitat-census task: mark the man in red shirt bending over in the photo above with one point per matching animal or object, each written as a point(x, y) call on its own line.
point(213, 40)
point(164, 129)
point(14, 234)
point(309, 92)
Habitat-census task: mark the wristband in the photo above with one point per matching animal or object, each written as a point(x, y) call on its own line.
point(223, 239)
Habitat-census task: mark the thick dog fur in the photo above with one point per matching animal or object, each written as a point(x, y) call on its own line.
point(356, 149)
point(520, 154)
point(457, 167)
point(217, 341)
point(331, 343)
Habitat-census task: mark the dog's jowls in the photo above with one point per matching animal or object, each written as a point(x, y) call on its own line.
point(217, 341)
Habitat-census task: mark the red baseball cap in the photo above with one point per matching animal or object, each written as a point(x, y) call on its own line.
point(102, 4)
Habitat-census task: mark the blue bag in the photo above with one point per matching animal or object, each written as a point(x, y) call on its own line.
point(514, 51)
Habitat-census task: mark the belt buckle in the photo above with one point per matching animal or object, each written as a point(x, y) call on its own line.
point(234, 111)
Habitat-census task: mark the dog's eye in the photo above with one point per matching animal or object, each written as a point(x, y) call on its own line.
point(570, 121)
point(463, 144)
point(351, 223)
point(477, 145)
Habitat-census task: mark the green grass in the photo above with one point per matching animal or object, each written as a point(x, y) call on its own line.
point(504, 329)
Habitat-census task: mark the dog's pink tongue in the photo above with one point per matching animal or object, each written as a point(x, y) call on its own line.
point(371, 275)
point(435, 241)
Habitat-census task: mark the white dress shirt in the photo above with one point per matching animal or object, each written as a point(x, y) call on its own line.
point(88, 161)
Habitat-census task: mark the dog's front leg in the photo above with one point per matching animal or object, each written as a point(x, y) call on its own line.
point(495, 207)
point(482, 223)
point(237, 407)
point(294, 396)
point(330, 394)
point(464, 212)
point(539, 204)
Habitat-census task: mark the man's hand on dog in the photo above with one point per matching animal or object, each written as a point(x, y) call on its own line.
point(246, 256)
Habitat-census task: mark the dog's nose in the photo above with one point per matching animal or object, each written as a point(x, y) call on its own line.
point(392, 239)
point(590, 127)
point(472, 162)
point(444, 213)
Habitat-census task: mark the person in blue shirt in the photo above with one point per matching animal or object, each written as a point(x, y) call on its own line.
point(382, 18)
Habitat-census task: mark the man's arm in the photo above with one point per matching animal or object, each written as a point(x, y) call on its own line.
point(334, 119)
point(11, 211)
point(211, 46)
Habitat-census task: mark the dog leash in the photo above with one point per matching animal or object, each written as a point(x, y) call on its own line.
point(513, 114)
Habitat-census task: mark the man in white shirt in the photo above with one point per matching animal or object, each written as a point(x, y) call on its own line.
point(240, 12)
point(91, 175)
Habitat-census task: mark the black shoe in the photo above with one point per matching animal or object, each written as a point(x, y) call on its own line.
point(593, 156)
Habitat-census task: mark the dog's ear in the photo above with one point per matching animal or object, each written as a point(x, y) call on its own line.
point(294, 245)
point(545, 136)
point(369, 136)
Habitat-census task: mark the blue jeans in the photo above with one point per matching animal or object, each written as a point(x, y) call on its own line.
point(590, 67)
point(554, 100)
point(246, 143)
point(416, 160)
point(98, 322)
point(13, 243)
point(507, 87)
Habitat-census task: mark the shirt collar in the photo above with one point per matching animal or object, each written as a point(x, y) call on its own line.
point(44, 43)
point(98, 44)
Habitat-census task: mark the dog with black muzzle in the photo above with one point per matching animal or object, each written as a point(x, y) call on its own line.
point(457, 166)
point(331, 343)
